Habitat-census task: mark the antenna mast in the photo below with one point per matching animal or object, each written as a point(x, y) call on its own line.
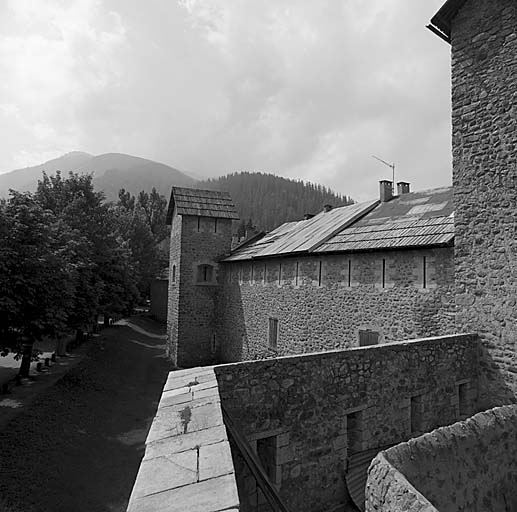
point(392, 167)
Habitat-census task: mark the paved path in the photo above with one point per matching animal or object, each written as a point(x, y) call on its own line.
point(78, 445)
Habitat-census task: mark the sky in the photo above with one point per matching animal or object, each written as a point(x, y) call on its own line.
point(301, 88)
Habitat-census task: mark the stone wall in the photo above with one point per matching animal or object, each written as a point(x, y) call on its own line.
point(187, 464)
point(196, 243)
point(471, 465)
point(484, 120)
point(322, 303)
point(315, 410)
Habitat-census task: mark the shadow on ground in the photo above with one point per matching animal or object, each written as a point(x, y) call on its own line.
point(78, 446)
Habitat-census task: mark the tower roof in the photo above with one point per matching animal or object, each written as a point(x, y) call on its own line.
point(201, 203)
point(441, 21)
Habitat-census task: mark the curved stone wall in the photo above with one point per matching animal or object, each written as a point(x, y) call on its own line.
point(471, 465)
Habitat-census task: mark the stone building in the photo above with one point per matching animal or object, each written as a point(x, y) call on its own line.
point(293, 432)
point(369, 273)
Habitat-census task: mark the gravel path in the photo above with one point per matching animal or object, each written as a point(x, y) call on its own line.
point(78, 446)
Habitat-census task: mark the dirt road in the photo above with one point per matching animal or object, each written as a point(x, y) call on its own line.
point(78, 446)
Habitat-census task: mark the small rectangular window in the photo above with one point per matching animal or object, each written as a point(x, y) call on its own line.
point(319, 273)
point(173, 273)
point(296, 276)
point(273, 332)
point(383, 273)
point(368, 337)
point(354, 432)
point(199, 223)
point(252, 274)
point(266, 453)
point(280, 273)
point(416, 413)
point(424, 272)
point(215, 225)
point(265, 273)
point(349, 272)
point(464, 409)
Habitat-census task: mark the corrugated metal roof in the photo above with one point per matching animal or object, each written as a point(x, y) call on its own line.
point(304, 235)
point(201, 203)
point(416, 219)
point(357, 474)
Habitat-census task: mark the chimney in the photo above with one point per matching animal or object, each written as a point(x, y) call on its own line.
point(402, 188)
point(386, 189)
point(308, 216)
point(327, 207)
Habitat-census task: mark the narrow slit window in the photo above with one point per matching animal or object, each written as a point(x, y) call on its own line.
point(214, 344)
point(280, 273)
point(349, 273)
point(424, 272)
point(173, 273)
point(267, 455)
point(354, 432)
point(416, 414)
point(215, 225)
point(383, 273)
point(265, 273)
point(296, 276)
point(252, 274)
point(273, 333)
point(319, 273)
point(205, 273)
point(464, 409)
point(199, 223)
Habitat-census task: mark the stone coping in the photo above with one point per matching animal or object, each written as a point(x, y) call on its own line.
point(187, 465)
point(392, 346)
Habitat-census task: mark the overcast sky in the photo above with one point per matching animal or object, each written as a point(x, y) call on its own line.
point(301, 88)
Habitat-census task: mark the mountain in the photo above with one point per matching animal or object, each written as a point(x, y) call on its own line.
point(268, 200)
point(112, 171)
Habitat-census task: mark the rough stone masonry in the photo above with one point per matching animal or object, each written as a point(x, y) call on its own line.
point(484, 136)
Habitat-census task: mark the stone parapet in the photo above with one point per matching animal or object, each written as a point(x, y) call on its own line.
point(187, 464)
point(471, 465)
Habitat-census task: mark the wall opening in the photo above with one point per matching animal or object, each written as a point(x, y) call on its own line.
point(415, 412)
point(173, 273)
point(424, 272)
point(349, 273)
point(252, 273)
point(296, 275)
point(215, 225)
point(320, 272)
point(213, 344)
point(280, 273)
point(354, 432)
point(368, 337)
point(205, 273)
point(199, 223)
point(273, 332)
point(264, 279)
point(463, 401)
point(266, 453)
point(383, 273)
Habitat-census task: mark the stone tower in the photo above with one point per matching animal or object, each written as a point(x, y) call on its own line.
point(484, 137)
point(201, 233)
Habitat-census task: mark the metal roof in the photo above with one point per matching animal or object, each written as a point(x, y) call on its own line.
point(442, 19)
point(416, 219)
point(201, 203)
point(305, 235)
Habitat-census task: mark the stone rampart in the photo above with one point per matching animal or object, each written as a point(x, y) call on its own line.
point(321, 303)
point(308, 414)
point(187, 464)
point(471, 465)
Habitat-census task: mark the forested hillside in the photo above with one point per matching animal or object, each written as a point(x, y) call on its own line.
point(268, 200)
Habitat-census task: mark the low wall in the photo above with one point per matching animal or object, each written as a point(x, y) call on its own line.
point(305, 412)
point(471, 465)
point(187, 463)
